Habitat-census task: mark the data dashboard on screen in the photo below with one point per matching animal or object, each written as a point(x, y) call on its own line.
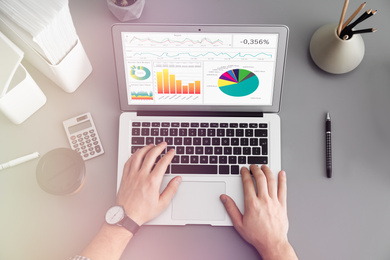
point(199, 68)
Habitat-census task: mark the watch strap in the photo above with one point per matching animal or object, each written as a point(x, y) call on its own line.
point(130, 225)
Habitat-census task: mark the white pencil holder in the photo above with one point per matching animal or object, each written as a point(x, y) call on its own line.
point(335, 55)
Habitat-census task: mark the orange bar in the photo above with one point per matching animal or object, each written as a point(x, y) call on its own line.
point(166, 81)
point(178, 86)
point(159, 83)
point(192, 88)
point(185, 89)
point(197, 87)
point(172, 84)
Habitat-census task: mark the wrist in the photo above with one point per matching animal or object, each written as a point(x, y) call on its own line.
point(282, 250)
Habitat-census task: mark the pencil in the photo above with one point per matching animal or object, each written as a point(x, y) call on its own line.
point(364, 31)
point(361, 18)
point(341, 22)
point(353, 15)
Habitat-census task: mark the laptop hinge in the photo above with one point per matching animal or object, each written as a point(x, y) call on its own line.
point(200, 113)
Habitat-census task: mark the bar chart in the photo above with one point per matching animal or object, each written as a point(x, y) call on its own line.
point(178, 78)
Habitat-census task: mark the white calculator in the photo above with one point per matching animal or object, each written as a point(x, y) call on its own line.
point(83, 136)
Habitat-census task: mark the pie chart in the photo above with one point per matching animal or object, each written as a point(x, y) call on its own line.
point(238, 82)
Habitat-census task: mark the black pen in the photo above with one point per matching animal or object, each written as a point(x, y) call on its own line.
point(328, 135)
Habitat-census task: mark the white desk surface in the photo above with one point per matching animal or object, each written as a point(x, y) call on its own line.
point(346, 217)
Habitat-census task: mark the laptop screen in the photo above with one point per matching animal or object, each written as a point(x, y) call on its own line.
point(207, 68)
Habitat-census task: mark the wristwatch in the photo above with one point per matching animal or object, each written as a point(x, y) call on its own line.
point(117, 216)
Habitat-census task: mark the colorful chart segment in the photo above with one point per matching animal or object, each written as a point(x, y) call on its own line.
point(238, 82)
point(139, 73)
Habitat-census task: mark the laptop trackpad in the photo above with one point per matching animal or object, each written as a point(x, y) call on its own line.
point(197, 200)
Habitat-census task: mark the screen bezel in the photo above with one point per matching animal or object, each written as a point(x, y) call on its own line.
point(281, 30)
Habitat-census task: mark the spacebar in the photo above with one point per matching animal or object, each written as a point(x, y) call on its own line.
point(194, 169)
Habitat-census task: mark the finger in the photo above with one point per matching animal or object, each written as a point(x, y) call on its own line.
point(247, 182)
point(169, 191)
point(126, 168)
point(261, 181)
point(282, 188)
point(151, 156)
point(232, 210)
point(138, 157)
point(161, 166)
point(271, 181)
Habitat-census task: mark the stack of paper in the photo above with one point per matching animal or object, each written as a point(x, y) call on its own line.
point(45, 25)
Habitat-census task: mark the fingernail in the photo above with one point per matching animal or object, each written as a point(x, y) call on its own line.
point(223, 199)
point(178, 180)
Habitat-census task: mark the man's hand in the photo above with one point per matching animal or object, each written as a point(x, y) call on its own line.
point(139, 192)
point(264, 223)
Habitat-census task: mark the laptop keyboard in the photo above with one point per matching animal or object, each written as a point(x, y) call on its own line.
point(204, 147)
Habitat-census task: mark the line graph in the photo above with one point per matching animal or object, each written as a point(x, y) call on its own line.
point(204, 55)
point(186, 40)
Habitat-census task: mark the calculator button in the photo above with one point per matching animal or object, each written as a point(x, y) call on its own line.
point(91, 131)
point(86, 155)
point(73, 137)
point(79, 135)
point(85, 133)
point(98, 149)
point(92, 153)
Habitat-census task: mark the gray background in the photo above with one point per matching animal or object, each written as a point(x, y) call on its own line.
point(346, 217)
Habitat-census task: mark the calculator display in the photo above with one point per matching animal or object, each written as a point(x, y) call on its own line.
point(79, 127)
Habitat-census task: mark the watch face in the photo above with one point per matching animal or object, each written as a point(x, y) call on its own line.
point(114, 215)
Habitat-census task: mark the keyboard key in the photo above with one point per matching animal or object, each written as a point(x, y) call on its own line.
point(184, 159)
point(206, 141)
point(190, 150)
point(222, 159)
point(136, 131)
point(234, 169)
point(198, 150)
point(197, 141)
point(187, 141)
point(257, 160)
point(138, 140)
point(178, 140)
point(149, 140)
point(261, 132)
point(213, 159)
point(180, 150)
point(208, 150)
point(224, 169)
point(194, 159)
point(194, 169)
point(145, 131)
point(204, 159)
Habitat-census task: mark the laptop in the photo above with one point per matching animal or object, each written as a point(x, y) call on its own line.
point(213, 93)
